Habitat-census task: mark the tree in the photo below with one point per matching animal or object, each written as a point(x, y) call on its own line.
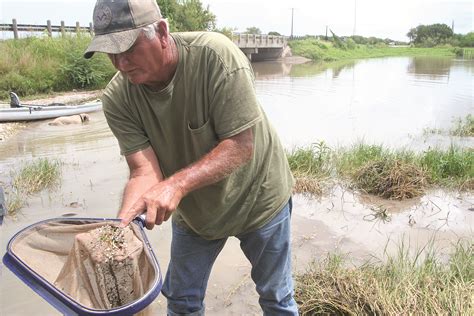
point(227, 31)
point(168, 10)
point(191, 16)
point(430, 35)
point(187, 15)
point(253, 30)
point(274, 33)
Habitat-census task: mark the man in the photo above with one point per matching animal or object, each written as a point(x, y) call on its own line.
point(199, 147)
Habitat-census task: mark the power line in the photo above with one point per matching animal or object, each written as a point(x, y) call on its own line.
point(292, 13)
point(355, 17)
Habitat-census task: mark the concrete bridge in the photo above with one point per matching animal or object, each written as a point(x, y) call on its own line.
point(260, 47)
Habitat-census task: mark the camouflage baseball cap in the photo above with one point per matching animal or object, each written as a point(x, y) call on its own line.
point(117, 24)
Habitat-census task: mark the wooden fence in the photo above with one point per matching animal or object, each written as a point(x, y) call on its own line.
point(15, 28)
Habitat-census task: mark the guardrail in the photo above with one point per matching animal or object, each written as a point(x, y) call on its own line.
point(15, 28)
point(259, 41)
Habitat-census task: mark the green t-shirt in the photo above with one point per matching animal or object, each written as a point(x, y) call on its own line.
point(211, 97)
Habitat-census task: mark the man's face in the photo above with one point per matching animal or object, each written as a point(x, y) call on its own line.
point(143, 62)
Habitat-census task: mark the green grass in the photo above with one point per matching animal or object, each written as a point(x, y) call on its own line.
point(32, 178)
point(36, 65)
point(374, 169)
point(325, 50)
point(402, 284)
point(451, 168)
point(37, 175)
point(311, 167)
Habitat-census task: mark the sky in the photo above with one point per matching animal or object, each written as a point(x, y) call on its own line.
point(381, 18)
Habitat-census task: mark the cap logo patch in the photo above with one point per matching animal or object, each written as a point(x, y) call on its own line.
point(102, 17)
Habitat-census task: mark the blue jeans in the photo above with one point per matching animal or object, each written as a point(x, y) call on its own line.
point(268, 250)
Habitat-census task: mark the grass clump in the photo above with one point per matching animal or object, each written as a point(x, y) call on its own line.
point(402, 285)
point(376, 170)
point(391, 179)
point(311, 167)
point(33, 177)
point(464, 128)
point(37, 175)
point(14, 203)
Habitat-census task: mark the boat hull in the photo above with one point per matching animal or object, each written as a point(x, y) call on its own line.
point(33, 113)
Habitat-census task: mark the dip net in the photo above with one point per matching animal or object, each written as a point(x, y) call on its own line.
point(98, 264)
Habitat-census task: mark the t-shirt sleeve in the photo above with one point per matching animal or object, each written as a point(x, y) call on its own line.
point(129, 133)
point(234, 107)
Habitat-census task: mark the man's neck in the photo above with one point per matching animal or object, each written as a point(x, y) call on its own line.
point(172, 57)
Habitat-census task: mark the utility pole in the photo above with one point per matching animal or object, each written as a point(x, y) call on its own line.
point(355, 17)
point(452, 27)
point(292, 13)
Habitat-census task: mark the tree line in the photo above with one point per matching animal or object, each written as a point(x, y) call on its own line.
point(439, 34)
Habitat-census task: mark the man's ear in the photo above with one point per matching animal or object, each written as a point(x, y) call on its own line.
point(163, 33)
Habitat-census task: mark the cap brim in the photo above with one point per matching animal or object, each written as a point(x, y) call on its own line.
point(112, 43)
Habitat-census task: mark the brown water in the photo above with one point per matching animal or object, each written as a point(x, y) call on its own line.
point(381, 100)
point(387, 100)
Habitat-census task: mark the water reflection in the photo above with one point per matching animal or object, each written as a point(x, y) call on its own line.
point(276, 69)
point(430, 68)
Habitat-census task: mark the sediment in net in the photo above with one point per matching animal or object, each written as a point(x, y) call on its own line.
point(103, 269)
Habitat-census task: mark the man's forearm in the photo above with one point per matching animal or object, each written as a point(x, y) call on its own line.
point(225, 158)
point(164, 196)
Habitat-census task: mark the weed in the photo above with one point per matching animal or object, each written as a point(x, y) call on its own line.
point(380, 214)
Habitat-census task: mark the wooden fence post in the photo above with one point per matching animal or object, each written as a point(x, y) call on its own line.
point(91, 29)
point(62, 29)
point(15, 29)
point(78, 28)
point(50, 29)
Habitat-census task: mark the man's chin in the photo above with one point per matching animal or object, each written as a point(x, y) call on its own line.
point(133, 79)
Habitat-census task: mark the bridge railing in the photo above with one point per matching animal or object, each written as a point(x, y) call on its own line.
point(49, 28)
point(258, 40)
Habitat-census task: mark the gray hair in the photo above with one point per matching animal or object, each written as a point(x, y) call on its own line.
point(150, 30)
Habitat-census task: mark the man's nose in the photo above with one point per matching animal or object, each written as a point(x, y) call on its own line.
point(121, 62)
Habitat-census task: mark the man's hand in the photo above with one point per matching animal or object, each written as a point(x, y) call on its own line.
point(146, 191)
point(159, 203)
